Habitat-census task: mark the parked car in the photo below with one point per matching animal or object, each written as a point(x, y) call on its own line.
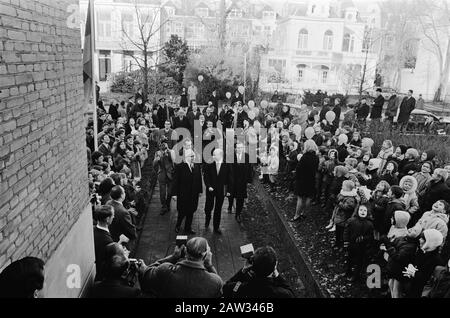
point(425, 121)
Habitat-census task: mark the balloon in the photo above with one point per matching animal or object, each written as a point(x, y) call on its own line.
point(330, 116)
point(342, 139)
point(200, 78)
point(316, 118)
point(241, 89)
point(251, 104)
point(256, 111)
point(297, 129)
point(257, 125)
point(228, 95)
point(264, 104)
point(309, 132)
point(245, 108)
point(251, 114)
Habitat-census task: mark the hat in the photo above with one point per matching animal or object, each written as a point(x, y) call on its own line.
point(401, 218)
point(395, 165)
point(433, 239)
point(376, 163)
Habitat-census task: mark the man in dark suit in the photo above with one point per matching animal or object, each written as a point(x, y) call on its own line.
point(187, 189)
point(406, 107)
point(105, 148)
point(215, 100)
point(241, 116)
point(337, 111)
point(181, 121)
point(122, 223)
point(377, 109)
point(216, 176)
point(325, 109)
point(240, 176)
point(211, 116)
point(193, 115)
point(104, 216)
point(164, 167)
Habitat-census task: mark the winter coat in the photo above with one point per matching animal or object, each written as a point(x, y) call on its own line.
point(379, 203)
point(357, 227)
point(401, 253)
point(373, 180)
point(305, 175)
point(430, 220)
point(406, 107)
point(425, 263)
point(349, 118)
point(377, 108)
point(390, 178)
point(362, 112)
point(422, 182)
point(384, 154)
point(436, 191)
point(346, 205)
point(407, 166)
point(392, 106)
point(392, 206)
point(410, 197)
point(400, 228)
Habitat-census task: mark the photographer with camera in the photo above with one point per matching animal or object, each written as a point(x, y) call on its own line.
point(120, 274)
point(164, 166)
point(176, 276)
point(259, 278)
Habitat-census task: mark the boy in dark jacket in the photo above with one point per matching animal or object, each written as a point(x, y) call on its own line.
point(358, 236)
point(394, 204)
point(347, 201)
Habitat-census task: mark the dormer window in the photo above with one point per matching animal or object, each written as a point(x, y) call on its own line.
point(170, 11)
point(202, 12)
point(268, 14)
point(235, 13)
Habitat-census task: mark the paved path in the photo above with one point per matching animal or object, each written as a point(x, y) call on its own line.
point(158, 236)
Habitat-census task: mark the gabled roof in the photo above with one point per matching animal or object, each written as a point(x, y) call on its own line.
point(170, 4)
point(299, 9)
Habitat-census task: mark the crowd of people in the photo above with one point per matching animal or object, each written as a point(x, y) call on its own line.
point(389, 207)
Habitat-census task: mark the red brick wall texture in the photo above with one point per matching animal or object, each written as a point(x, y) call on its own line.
point(43, 179)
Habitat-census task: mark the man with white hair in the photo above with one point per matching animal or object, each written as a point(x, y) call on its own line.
point(216, 175)
point(175, 277)
point(187, 189)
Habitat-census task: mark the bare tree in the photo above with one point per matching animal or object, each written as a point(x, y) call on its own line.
point(401, 31)
point(433, 17)
point(146, 42)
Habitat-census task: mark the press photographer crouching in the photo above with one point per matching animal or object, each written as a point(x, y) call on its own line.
point(119, 275)
point(176, 276)
point(259, 278)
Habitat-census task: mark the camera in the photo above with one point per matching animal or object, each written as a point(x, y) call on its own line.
point(131, 274)
point(181, 240)
point(247, 251)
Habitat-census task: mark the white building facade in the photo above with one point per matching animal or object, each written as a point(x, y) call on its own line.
point(318, 46)
point(116, 28)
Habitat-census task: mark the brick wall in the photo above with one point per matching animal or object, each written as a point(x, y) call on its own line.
point(43, 180)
